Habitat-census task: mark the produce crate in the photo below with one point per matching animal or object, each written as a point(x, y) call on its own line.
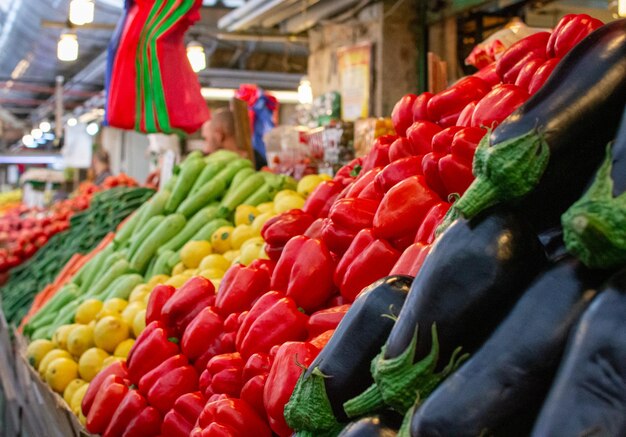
point(44, 413)
point(11, 393)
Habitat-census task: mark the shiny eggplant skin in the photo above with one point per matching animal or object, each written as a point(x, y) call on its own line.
point(470, 280)
point(516, 365)
point(588, 397)
point(369, 427)
point(618, 152)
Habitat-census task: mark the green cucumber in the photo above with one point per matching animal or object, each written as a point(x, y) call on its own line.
point(230, 171)
point(210, 171)
point(194, 224)
point(123, 286)
point(171, 226)
point(143, 233)
point(204, 234)
point(196, 154)
point(209, 192)
point(161, 266)
point(101, 269)
point(189, 172)
point(222, 156)
point(241, 192)
point(173, 260)
point(154, 207)
point(170, 184)
point(265, 193)
point(67, 294)
point(92, 267)
point(118, 269)
point(240, 177)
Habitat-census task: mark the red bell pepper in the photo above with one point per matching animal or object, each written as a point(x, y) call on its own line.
point(442, 141)
point(455, 175)
point(432, 178)
point(278, 230)
point(569, 31)
point(421, 134)
point(201, 333)
point(321, 199)
point(146, 424)
point(180, 420)
point(400, 148)
point(379, 155)
point(252, 393)
point(111, 393)
point(322, 340)
point(446, 106)
point(346, 174)
point(353, 213)
point(151, 348)
point(372, 192)
point(498, 105)
point(282, 379)
point(411, 260)
point(325, 320)
point(315, 230)
point(188, 301)
point(398, 171)
point(542, 75)
point(464, 144)
point(223, 344)
point(403, 208)
point(367, 260)
point(465, 117)
point(274, 319)
point(304, 272)
point(257, 364)
point(519, 54)
point(264, 264)
point(116, 369)
point(420, 107)
point(223, 375)
point(402, 113)
point(426, 232)
point(489, 75)
point(337, 238)
point(158, 298)
point(355, 189)
point(274, 252)
point(240, 287)
point(527, 72)
point(230, 418)
point(169, 381)
point(131, 406)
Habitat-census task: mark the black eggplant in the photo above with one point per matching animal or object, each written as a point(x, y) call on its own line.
point(595, 226)
point(588, 398)
point(341, 370)
point(370, 427)
point(470, 280)
point(515, 367)
point(544, 154)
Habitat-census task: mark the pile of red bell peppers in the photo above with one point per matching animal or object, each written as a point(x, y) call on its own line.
point(226, 363)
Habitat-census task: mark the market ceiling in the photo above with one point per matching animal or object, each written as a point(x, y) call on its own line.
point(30, 30)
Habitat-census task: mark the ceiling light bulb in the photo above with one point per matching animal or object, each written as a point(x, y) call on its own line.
point(45, 126)
point(93, 129)
point(67, 49)
point(621, 8)
point(28, 140)
point(36, 134)
point(196, 56)
point(81, 12)
point(72, 122)
point(305, 92)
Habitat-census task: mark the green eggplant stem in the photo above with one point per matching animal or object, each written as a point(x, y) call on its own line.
point(401, 382)
point(405, 429)
point(594, 228)
point(370, 400)
point(505, 171)
point(308, 408)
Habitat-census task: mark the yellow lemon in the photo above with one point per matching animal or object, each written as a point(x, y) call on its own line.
point(80, 339)
point(216, 283)
point(49, 357)
point(114, 306)
point(214, 261)
point(91, 362)
point(128, 315)
point(71, 388)
point(177, 281)
point(59, 338)
point(288, 202)
point(258, 222)
point(251, 252)
point(308, 184)
point(109, 332)
point(192, 253)
point(253, 242)
point(326, 177)
point(241, 234)
point(146, 299)
point(282, 194)
point(60, 373)
point(232, 255)
point(139, 292)
point(77, 399)
point(212, 273)
point(177, 270)
point(191, 272)
point(266, 207)
point(139, 324)
point(220, 240)
point(156, 280)
point(37, 350)
point(88, 310)
point(123, 348)
point(110, 360)
point(245, 214)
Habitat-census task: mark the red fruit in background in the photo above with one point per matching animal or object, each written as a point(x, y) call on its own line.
point(402, 114)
